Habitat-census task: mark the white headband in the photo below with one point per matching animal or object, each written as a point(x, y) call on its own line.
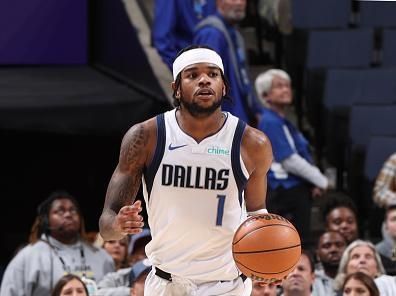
point(194, 56)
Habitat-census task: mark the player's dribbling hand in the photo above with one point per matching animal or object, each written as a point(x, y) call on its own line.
point(129, 220)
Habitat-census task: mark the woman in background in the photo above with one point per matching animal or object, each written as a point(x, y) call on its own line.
point(70, 284)
point(359, 283)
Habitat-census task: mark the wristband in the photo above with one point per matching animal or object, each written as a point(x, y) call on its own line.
point(258, 212)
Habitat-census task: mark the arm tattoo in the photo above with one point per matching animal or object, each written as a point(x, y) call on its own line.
point(131, 150)
point(126, 181)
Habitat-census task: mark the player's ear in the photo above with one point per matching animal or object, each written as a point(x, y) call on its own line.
point(224, 90)
point(173, 85)
point(177, 91)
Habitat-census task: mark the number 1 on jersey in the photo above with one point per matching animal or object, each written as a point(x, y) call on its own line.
point(220, 209)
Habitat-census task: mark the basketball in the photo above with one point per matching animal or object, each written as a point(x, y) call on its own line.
point(266, 247)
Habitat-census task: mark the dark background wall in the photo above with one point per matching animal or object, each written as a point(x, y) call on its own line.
point(33, 164)
point(43, 32)
point(75, 78)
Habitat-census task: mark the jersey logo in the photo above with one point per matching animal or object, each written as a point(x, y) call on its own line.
point(175, 147)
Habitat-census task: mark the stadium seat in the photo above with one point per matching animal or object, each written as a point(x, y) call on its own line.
point(339, 48)
point(378, 151)
point(367, 120)
point(344, 88)
point(384, 124)
point(314, 14)
point(388, 48)
point(377, 14)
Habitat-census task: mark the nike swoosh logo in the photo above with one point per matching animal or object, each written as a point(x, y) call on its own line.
point(175, 147)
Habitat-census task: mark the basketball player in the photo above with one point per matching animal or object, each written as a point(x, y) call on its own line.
point(201, 168)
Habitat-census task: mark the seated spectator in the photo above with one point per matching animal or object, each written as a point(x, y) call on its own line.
point(120, 283)
point(117, 283)
point(293, 179)
point(385, 184)
point(299, 281)
point(118, 250)
point(70, 284)
point(329, 250)
point(138, 277)
point(359, 283)
point(137, 245)
point(387, 247)
point(56, 246)
point(340, 214)
point(362, 256)
point(260, 289)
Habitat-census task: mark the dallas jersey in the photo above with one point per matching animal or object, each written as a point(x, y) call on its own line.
point(194, 197)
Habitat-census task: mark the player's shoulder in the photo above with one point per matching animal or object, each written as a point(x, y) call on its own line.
point(141, 138)
point(253, 137)
point(142, 130)
point(256, 149)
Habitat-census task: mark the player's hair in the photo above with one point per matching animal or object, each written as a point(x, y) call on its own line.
point(367, 281)
point(338, 200)
point(56, 291)
point(41, 223)
point(176, 101)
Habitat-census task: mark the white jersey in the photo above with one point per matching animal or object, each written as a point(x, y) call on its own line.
point(194, 197)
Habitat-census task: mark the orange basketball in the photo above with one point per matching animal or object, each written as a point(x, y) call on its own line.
point(266, 247)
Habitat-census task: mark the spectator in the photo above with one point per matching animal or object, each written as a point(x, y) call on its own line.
point(387, 247)
point(138, 277)
point(330, 247)
point(56, 246)
point(385, 185)
point(340, 214)
point(174, 22)
point(292, 180)
point(70, 284)
point(362, 256)
point(118, 283)
point(137, 245)
point(276, 14)
point(299, 281)
point(359, 283)
point(261, 289)
point(118, 250)
point(219, 31)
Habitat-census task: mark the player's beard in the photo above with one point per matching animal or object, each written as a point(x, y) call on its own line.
point(199, 111)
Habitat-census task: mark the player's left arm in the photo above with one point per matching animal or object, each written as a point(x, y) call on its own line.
point(257, 155)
